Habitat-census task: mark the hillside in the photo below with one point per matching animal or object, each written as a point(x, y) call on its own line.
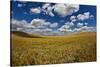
point(23, 34)
point(79, 47)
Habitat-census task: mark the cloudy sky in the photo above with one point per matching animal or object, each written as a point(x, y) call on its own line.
point(52, 18)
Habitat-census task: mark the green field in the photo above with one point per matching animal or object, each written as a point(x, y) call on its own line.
point(35, 49)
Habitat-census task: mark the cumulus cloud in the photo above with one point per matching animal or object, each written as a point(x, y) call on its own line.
point(65, 9)
point(54, 25)
point(47, 9)
point(18, 25)
point(35, 10)
point(85, 23)
point(39, 26)
point(47, 24)
point(79, 24)
point(65, 30)
point(47, 30)
point(70, 27)
point(45, 5)
point(61, 9)
point(40, 23)
point(69, 24)
point(85, 29)
point(81, 17)
point(73, 18)
point(20, 5)
point(66, 27)
point(51, 14)
point(37, 22)
point(84, 16)
point(22, 25)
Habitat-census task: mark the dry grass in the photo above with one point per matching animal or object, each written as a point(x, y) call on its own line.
point(53, 50)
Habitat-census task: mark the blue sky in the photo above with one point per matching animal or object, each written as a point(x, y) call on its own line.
point(54, 17)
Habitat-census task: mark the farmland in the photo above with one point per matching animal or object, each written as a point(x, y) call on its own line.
point(36, 50)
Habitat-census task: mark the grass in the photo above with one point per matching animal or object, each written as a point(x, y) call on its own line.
point(53, 49)
point(23, 34)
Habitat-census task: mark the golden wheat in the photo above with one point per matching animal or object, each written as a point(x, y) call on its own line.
point(53, 49)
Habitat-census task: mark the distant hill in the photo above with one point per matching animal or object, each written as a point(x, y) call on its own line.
point(85, 33)
point(23, 34)
point(82, 34)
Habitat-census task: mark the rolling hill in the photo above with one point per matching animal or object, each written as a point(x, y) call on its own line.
point(80, 47)
point(23, 34)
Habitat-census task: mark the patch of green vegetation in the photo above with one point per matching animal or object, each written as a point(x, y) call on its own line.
point(23, 34)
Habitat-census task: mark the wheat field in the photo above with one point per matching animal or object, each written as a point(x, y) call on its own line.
point(36, 50)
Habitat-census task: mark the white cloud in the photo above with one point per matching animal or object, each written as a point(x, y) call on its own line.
point(84, 16)
point(29, 26)
point(88, 29)
point(79, 24)
point(37, 30)
point(22, 25)
point(81, 17)
point(61, 9)
point(20, 5)
point(19, 29)
point(45, 5)
point(42, 26)
point(41, 23)
point(54, 25)
point(37, 22)
point(47, 30)
point(47, 24)
point(85, 29)
point(91, 16)
point(65, 30)
point(47, 9)
point(66, 27)
point(61, 29)
point(51, 14)
point(36, 10)
point(69, 24)
point(65, 9)
point(36, 26)
point(76, 29)
point(18, 25)
point(85, 23)
point(73, 19)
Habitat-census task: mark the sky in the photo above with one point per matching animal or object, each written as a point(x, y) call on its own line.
point(52, 18)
